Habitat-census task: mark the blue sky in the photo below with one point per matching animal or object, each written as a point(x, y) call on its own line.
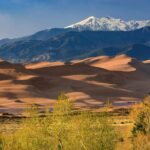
point(24, 17)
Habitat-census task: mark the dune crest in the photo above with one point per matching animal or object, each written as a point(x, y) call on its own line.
point(90, 82)
point(43, 64)
point(146, 61)
point(117, 63)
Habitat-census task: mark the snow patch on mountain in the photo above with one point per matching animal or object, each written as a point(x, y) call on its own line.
point(108, 24)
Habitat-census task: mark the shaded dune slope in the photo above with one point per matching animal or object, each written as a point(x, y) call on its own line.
point(90, 82)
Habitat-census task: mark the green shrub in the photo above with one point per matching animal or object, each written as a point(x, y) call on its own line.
point(142, 123)
point(141, 129)
point(62, 130)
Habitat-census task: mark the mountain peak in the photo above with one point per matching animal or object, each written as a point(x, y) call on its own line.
point(87, 20)
point(91, 17)
point(108, 24)
point(109, 17)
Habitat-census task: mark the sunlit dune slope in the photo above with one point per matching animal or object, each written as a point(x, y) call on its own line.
point(118, 63)
point(90, 82)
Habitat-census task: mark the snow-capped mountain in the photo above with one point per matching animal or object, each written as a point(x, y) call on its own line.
point(108, 24)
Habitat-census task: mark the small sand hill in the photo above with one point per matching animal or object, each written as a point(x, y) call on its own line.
point(12, 70)
point(19, 87)
point(90, 82)
point(43, 64)
point(118, 63)
point(146, 61)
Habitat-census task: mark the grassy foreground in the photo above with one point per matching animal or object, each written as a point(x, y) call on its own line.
point(66, 129)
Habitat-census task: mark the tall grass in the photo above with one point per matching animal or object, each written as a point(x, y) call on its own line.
point(63, 129)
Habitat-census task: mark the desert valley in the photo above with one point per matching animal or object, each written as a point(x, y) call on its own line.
point(90, 83)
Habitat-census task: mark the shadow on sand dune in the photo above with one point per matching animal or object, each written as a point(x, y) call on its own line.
point(82, 82)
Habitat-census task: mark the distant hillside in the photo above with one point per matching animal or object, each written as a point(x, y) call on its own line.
point(66, 45)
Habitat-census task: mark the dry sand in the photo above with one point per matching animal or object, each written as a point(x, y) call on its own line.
point(90, 83)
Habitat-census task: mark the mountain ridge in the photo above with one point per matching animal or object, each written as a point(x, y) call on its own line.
point(66, 44)
point(108, 24)
point(72, 45)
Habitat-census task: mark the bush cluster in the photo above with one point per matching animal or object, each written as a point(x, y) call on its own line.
point(62, 129)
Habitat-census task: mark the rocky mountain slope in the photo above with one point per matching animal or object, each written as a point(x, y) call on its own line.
point(73, 45)
point(90, 37)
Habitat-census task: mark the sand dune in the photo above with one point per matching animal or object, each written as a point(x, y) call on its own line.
point(89, 82)
point(118, 63)
point(43, 64)
point(146, 61)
